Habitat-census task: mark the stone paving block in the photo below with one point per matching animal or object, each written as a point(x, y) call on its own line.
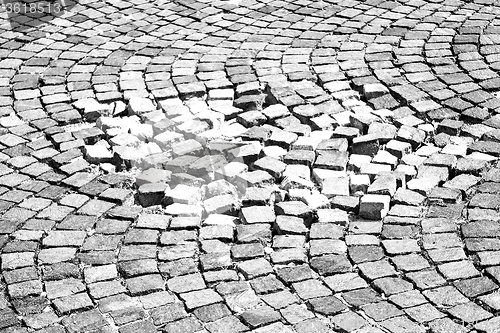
point(55, 255)
point(487, 325)
point(257, 214)
point(64, 238)
point(439, 241)
point(280, 299)
point(469, 312)
point(24, 289)
point(253, 232)
point(311, 289)
point(86, 320)
point(336, 144)
point(108, 226)
point(335, 186)
point(8, 318)
point(329, 305)
point(366, 145)
point(73, 302)
point(374, 169)
point(212, 312)
point(185, 283)
point(196, 299)
point(377, 269)
point(458, 269)
point(290, 225)
point(66, 287)
point(374, 206)
point(179, 251)
point(185, 222)
point(260, 316)
point(303, 157)
point(255, 267)
point(16, 260)
point(227, 324)
point(247, 251)
point(327, 246)
point(408, 299)
point(381, 311)
point(134, 252)
point(423, 313)
point(168, 313)
point(137, 267)
point(332, 160)
point(384, 183)
point(446, 255)
point(476, 286)
point(331, 264)
point(295, 274)
point(349, 321)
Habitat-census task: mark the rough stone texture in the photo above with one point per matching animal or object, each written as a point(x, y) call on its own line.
point(274, 167)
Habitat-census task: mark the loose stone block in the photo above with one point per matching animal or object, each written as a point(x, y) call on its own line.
point(359, 184)
point(98, 154)
point(374, 90)
point(290, 225)
point(335, 186)
point(374, 206)
point(257, 214)
point(332, 160)
point(366, 145)
point(384, 183)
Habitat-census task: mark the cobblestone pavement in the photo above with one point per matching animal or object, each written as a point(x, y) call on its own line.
point(266, 166)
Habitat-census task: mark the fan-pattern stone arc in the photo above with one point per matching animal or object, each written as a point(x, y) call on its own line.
point(251, 166)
